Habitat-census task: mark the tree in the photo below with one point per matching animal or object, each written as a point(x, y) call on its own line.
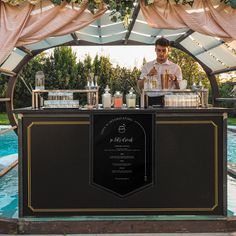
point(3, 86)
point(105, 75)
point(191, 70)
point(144, 61)
point(22, 96)
point(96, 65)
point(64, 71)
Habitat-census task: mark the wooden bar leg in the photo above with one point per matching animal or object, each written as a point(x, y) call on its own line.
point(97, 99)
point(37, 101)
point(33, 100)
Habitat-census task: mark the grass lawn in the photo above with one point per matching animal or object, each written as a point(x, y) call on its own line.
point(231, 121)
point(4, 119)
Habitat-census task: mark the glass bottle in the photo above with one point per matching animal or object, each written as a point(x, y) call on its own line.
point(131, 99)
point(39, 80)
point(154, 82)
point(147, 84)
point(118, 99)
point(106, 98)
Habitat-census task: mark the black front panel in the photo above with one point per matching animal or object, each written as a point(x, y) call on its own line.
point(189, 164)
point(122, 152)
point(55, 170)
point(123, 163)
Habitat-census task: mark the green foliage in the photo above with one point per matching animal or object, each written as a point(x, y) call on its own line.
point(119, 9)
point(3, 86)
point(22, 96)
point(232, 121)
point(4, 119)
point(225, 90)
point(144, 61)
point(64, 71)
point(191, 70)
point(105, 75)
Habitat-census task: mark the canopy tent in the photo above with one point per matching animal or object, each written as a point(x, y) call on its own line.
point(206, 31)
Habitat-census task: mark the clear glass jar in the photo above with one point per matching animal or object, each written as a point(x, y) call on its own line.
point(106, 98)
point(118, 99)
point(39, 80)
point(131, 99)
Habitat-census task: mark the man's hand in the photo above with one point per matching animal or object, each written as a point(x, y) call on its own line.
point(174, 79)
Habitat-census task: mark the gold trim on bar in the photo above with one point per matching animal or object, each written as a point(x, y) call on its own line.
point(216, 198)
point(29, 148)
point(123, 209)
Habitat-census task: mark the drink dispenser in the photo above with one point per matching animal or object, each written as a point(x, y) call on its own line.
point(39, 80)
point(118, 99)
point(131, 99)
point(106, 98)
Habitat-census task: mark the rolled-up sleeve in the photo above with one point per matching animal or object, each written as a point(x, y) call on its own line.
point(178, 73)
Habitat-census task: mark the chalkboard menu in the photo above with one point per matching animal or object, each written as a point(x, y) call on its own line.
point(122, 160)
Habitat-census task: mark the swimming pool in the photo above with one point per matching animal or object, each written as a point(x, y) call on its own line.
point(8, 142)
point(9, 183)
point(231, 150)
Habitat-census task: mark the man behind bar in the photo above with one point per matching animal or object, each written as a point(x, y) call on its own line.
point(161, 65)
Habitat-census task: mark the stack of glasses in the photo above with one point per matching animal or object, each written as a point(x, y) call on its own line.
point(182, 100)
point(61, 100)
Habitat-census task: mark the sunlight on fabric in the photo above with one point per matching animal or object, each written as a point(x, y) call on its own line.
point(40, 10)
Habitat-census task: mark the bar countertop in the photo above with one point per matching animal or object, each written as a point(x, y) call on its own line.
point(29, 110)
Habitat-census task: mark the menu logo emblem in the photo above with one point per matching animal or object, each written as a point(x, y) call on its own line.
point(121, 129)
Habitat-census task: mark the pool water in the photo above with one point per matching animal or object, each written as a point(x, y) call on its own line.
point(8, 142)
point(9, 194)
point(231, 150)
point(9, 182)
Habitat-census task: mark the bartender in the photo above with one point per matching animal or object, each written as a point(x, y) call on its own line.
point(161, 65)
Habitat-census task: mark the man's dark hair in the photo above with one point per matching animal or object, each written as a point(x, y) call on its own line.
point(162, 42)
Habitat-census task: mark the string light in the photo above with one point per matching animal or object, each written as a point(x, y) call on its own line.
point(233, 50)
point(209, 53)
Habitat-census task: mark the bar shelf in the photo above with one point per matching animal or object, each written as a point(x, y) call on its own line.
point(92, 93)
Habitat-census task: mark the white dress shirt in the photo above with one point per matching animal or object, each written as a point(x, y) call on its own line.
point(168, 66)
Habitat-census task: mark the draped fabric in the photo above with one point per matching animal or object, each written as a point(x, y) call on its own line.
point(210, 17)
point(26, 24)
